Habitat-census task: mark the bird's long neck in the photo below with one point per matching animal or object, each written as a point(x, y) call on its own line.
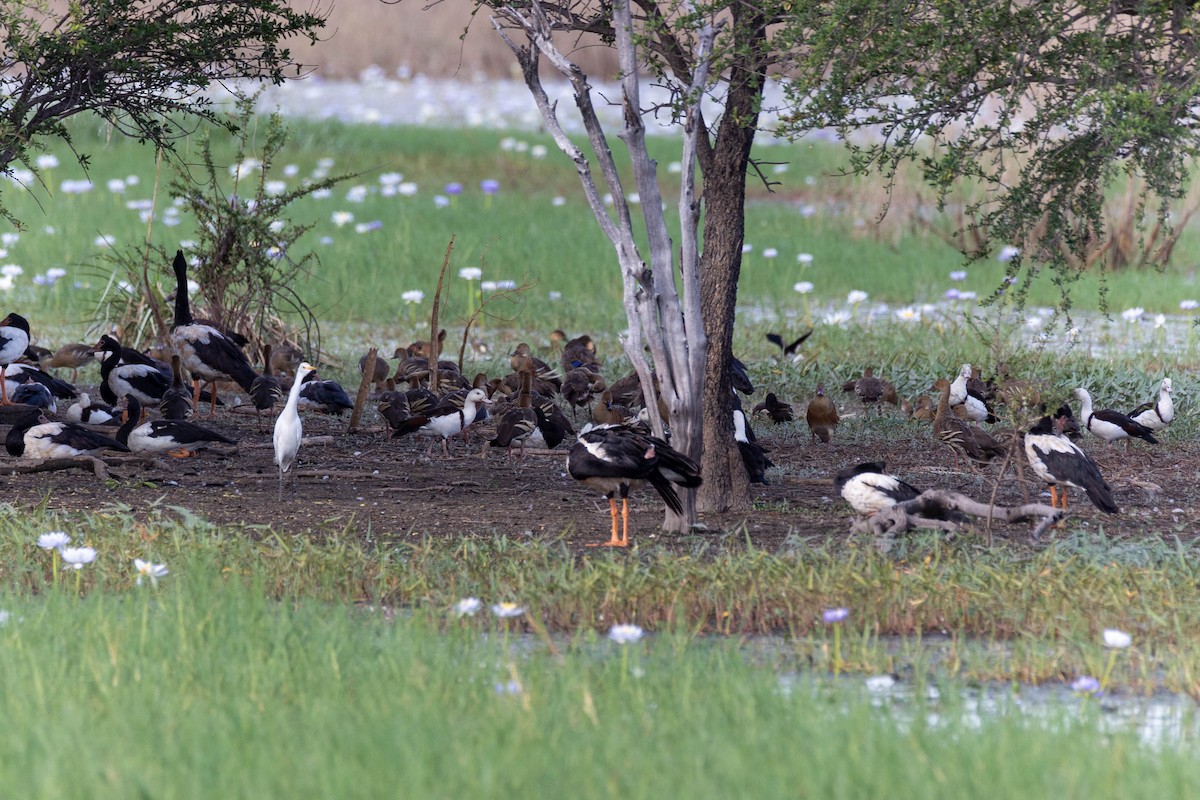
point(183, 311)
point(943, 406)
point(294, 393)
point(1085, 407)
point(133, 413)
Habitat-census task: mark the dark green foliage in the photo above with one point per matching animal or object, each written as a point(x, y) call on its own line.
point(142, 65)
point(1043, 106)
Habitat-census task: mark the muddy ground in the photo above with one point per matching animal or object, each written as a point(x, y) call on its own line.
point(364, 481)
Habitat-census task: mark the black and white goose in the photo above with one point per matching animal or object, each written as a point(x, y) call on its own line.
point(327, 397)
point(144, 381)
point(17, 374)
point(1107, 424)
point(14, 340)
point(869, 489)
point(612, 458)
point(175, 437)
point(208, 354)
point(33, 436)
point(1159, 414)
point(1061, 463)
point(89, 413)
point(444, 420)
point(967, 402)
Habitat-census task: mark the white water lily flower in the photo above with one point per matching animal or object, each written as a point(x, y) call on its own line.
point(1189, 305)
point(856, 296)
point(53, 540)
point(413, 296)
point(78, 556)
point(837, 318)
point(1133, 314)
point(147, 570)
point(1007, 253)
point(47, 161)
point(341, 218)
point(470, 273)
point(625, 634)
point(803, 287)
point(805, 258)
point(1116, 640)
point(468, 607)
point(507, 610)
point(908, 314)
point(1160, 320)
point(770, 252)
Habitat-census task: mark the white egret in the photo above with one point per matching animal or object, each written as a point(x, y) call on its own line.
point(289, 430)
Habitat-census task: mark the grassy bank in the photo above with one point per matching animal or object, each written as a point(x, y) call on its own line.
point(535, 231)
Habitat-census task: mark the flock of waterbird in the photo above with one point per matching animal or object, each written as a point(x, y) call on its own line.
point(613, 452)
point(1049, 445)
point(425, 396)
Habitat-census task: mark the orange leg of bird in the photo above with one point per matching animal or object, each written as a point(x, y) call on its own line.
point(625, 522)
point(1064, 498)
point(613, 540)
point(3, 386)
point(181, 452)
point(1053, 496)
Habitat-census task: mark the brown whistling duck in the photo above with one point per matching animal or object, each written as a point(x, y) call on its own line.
point(519, 422)
point(580, 353)
point(1061, 463)
point(393, 405)
point(380, 375)
point(868, 388)
point(608, 412)
point(776, 410)
point(973, 442)
point(69, 356)
point(821, 415)
point(176, 402)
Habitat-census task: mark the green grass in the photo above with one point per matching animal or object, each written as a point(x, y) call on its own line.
point(519, 235)
point(242, 675)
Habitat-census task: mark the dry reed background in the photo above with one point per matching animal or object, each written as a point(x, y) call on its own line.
point(427, 38)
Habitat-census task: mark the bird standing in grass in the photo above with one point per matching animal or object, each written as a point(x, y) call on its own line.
point(821, 415)
point(289, 430)
point(1159, 414)
point(1107, 424)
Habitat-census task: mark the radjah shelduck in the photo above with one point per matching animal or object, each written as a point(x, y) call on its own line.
point(14, 339)
point(869, 489)
point(1107, 424)
point(289, 430)
point(445, 420)
point(1061, 463)
point(208, 354)
point(1158, 414)
point(612, 458)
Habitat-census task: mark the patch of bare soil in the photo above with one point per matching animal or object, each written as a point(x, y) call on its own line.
point(355, 482)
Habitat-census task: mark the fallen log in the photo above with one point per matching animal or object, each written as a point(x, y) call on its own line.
point(938, 509)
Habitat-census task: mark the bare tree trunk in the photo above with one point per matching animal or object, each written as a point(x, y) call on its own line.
point(726, 485)
point(671, 328)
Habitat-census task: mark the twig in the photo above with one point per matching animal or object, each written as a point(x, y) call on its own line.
point(364, 388)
